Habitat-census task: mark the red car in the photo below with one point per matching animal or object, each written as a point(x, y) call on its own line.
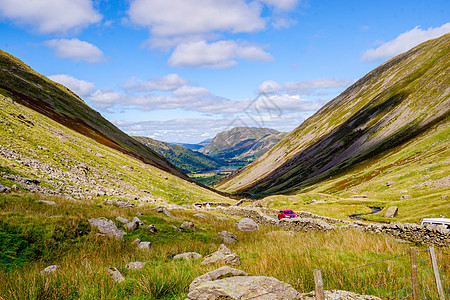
point(286, 214)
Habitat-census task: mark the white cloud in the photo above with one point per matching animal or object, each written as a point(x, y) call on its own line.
point(269, 86)
point(76, 50)
point(404, 42)
point(180, 17)
point(218, 55)
point(169, 82)
point(319, 83)
point(79, 87)
point(51, 16)
point(282, 4)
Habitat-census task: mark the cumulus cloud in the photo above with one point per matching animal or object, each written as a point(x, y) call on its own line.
point(269, 86)
point(282, 4)
point(169, 82)
point(76, 50)
point(319, 83)
point(404, 42)
point(79, 87)
point(218, 55)
point(181, 17)
point(51, 16)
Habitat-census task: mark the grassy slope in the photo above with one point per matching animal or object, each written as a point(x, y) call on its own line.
point(186, 160)
point(65, 239)
point(25, 86)
point(389, 106)
point(71, 161)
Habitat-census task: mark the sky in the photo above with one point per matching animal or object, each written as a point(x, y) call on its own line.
point(185, 70)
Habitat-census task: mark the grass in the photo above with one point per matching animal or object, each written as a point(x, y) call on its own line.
point(61, 237)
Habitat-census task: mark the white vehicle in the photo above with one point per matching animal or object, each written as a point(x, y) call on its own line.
point(437, 221)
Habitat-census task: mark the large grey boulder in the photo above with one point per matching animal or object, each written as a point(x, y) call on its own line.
point(228, 237)
point(244, 287)
point(391, 212)
point(188, 255)
point(107, 227)
point(213, 275)
point(223, 255)
point(246, 224)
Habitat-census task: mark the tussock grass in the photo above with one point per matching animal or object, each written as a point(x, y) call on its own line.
point(84, 257)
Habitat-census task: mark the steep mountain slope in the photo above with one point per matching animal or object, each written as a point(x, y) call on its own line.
point(187, 160)
point(19, 82)
point(393, 104)
point(193, 147)
point(242, 143)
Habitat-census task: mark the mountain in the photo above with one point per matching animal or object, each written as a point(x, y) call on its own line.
point(187, 160)
point(25, 86)
point(382, 127)
point(242, 143)
point(52, 143)
point(193, 147)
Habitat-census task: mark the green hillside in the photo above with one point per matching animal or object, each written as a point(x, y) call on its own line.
point(391, 125)
point(186, 160)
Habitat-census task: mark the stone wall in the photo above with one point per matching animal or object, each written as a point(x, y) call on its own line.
point(427, 234)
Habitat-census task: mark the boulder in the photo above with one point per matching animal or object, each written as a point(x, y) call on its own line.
point(107, 227)
point(389, 183)
point(122, 220)
point(224, 271)
point(188, 255)
point(200, 216)
point(135, 265)
point(246, 224)
point(244, 287)
point(131, 226)
point(188, 225)
point(165, 211)
point(119, 203)
point(136, 241)
point(50, 270)
point(4, 189)
point(151, 228)
point(228, 237)
point(116, 275)
point(49, 203)
point(139, 222)
point(223, 255)
point(144, 245)
point(391, 212)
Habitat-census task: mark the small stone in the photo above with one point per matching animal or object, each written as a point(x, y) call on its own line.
point(135, 265)
point(389, 183)
point(116, 275)
point(49, 203)
point(144, 245)
point(223, 255)
point(188, 255)
point(136, 241)
point(359, 196)
point(139, 222)
point(50, 270)
point(164, 211)
point(403, 197)
point(139, 214)
point(152, 228)
point(131, 226)
point(188, 225)
point(4, 189)
point(222, 218)
point(228, 237)
point(391, 212)
point(176, 228)
point(200, 216)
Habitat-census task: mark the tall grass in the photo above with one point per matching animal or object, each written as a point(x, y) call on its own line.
point(85, 259)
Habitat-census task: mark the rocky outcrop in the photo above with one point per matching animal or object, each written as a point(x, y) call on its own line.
point(223, 255)
point(244, 287)
point(213, 275)
point(107, 227)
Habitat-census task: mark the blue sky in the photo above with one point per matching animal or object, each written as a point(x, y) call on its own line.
point(184, 70)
